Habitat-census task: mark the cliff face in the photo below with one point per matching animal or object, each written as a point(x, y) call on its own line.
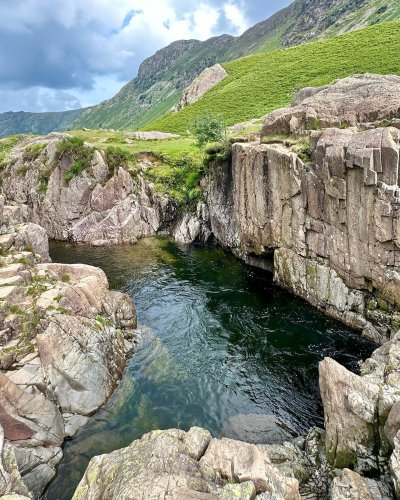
point(99, 206)
point(329, 230)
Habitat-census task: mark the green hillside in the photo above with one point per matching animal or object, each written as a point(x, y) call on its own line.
point(162, 77)
point(260, 83)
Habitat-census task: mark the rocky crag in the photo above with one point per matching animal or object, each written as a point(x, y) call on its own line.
point(324, 214)
point(64, 340)
point(101, 205)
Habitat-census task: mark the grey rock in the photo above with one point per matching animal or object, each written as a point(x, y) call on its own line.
point(159, 465)
point(349, 101)
point(351, 486)
point(208, 79)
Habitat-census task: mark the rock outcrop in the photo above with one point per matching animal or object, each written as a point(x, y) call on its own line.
point(151, 136)
point(348, 102)
point(328, 224)
point(208, 79)
point(176, 464)
point(64, 339)
point(100, 205)
point(362, 412)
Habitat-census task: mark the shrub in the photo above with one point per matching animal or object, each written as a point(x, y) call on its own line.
point(208, 128)
point(23, 169)
point(32, 152)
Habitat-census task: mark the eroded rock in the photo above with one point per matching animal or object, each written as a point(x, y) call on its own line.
point(346, 102)
point(160, 465)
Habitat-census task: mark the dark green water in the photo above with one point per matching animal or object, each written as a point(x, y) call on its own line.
point(222, 340)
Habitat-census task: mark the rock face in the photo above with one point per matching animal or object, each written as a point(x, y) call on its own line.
point(175, 464)
point(351, 101)
point(99, 206)
point(329, 229)
point(362, 411)
point(11, 484)
point(208, 79)
point(64, 338)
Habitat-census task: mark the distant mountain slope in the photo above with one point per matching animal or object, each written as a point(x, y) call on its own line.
point(266, 81)
point(162, 77)
point(36, 123)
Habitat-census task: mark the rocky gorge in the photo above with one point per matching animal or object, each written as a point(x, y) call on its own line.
point(317, 203)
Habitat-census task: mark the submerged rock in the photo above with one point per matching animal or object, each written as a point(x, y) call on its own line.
point(257, 429)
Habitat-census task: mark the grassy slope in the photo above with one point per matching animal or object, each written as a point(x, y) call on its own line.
point(259, 83)
point(137, 105)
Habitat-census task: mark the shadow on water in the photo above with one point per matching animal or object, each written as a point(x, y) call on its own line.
point(220, 339)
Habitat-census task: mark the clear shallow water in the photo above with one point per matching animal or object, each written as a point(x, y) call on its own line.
point(222, 340)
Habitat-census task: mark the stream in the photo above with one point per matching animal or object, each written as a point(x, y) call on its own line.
point(219, 339)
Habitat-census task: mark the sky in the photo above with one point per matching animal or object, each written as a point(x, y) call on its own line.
point(57, 55)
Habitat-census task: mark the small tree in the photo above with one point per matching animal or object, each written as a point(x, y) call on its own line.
point(208, 128)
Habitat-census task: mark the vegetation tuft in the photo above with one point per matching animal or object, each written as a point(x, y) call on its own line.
point(118, 157)
point(74, 148)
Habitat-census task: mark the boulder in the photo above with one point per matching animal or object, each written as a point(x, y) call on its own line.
point(350, 408)
point(161, 465)
point(241, 462)
point(82, 361)
point(208, 79)
point(351, 486)
point(257, 429)
point(346, 102)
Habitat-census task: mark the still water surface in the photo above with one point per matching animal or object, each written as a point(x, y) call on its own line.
point(220, 340)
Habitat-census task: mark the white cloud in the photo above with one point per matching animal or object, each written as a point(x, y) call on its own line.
point(236, 16)
point(77, 46)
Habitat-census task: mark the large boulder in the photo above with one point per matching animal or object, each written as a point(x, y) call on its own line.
point(208, 79)
point(346, 102)
point(164, 464)
point(350, 408)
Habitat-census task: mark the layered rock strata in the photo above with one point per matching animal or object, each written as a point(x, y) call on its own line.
point(327, 225)
point(64, 340)
point(99, 206)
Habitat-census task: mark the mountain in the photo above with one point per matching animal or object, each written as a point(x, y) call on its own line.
point(162, 77)
point(266, 81)
point(36, 123)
